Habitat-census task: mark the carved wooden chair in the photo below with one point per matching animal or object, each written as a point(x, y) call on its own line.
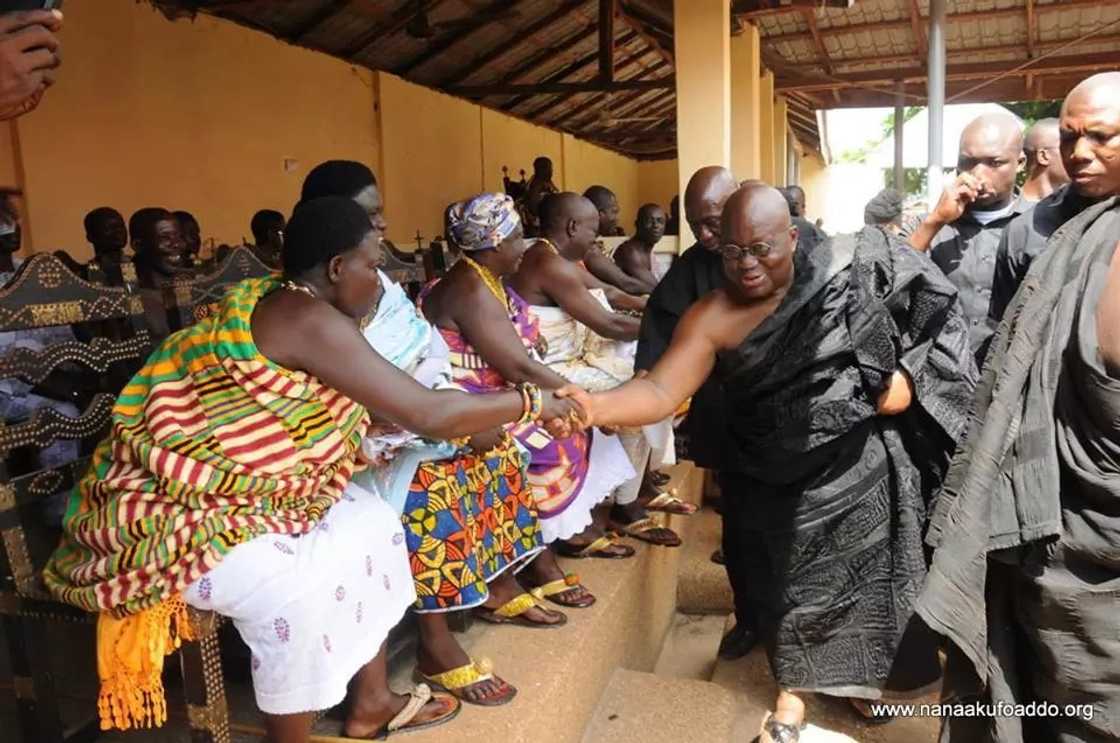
point(43, 295)
point(410, 270)
point(191, 299)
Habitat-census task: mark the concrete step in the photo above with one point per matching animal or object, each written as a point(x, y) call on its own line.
point(749, 679)
point(703, 586)
point(561, 674)
point(646, 708)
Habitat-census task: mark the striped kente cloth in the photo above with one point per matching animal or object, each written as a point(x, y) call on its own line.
point(211, 445)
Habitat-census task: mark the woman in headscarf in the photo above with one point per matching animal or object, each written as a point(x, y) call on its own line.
point(494, 342)
point(468, 511)
point(225, 485)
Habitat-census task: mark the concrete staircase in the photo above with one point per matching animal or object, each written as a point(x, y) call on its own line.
point(640, 666)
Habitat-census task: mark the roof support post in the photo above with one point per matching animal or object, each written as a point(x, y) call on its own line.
point(702, 41)
point(899, 128)
point(936, 96)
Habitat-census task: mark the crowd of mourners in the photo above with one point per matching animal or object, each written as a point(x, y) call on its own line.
point(914, 429)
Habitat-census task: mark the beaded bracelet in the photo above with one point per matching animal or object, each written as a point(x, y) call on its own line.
point(533, 400)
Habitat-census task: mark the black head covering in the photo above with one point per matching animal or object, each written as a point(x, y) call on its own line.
point(337, 178)
point(319, 230)
point(885, 207)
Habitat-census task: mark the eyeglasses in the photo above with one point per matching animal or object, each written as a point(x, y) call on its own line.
point(733, 252)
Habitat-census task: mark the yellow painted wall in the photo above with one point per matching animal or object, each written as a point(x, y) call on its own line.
point(515, 144)
point(768, 170)
point(587, 165)
point(202, 115)
point(657, 182)
point(431, 156)
point(189, 115)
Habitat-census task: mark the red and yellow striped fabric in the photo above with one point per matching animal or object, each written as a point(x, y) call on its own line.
point(211, 445)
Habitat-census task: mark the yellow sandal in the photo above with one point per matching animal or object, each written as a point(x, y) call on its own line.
point(458, 680)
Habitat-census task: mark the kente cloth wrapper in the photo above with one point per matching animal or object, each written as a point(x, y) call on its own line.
point(467, 520)
point(313, 609)
point(597, 364)
point(834, 498)
point(482, 223)
point(211, 445)
point(1025, 580)
point(568, 476)
point(409, 342)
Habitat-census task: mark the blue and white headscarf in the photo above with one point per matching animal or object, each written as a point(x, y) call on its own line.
point(482, 222)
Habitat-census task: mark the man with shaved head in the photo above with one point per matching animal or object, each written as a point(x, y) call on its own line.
point(698, 271)
point(598, 260)
point(963, 231)
point(1025, 581)
point(635, 256)
point(1042, 147)
point(588, 343)
point(1089, 120)
point(846, 375)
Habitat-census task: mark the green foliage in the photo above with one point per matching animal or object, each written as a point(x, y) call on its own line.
point(1032, 111)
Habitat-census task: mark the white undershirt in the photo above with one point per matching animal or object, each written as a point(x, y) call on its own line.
point(989, 217)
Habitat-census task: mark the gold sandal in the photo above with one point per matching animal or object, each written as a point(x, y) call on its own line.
point(514, 610)
point(458, 680)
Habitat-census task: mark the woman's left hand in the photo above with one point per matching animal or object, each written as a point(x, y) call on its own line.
point(897, 396)
point(583, 401)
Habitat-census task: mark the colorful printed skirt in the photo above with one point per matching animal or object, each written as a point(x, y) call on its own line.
point(466, 521)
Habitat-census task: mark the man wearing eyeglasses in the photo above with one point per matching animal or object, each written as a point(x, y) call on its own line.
point(963, 231)
point(846, 377)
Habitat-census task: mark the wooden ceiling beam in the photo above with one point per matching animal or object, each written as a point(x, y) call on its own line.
point(639, 27)
point(576, 66)
point(630, 61)
point(522, 37)
point(595, 85)
point(957, 73)
point(887, 59)
point(378, 31)
point(1032, 28)
point(969, 17)
point(551, 54)
point(624, 106)
point(822, 53)
point(479, 19)
point(606, 40)
point(324, 14)
point(918, 30)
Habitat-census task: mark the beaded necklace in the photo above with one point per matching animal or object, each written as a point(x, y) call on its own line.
point(491, 281)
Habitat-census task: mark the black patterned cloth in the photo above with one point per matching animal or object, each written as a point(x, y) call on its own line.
point(1025, 580)
point(835, 497)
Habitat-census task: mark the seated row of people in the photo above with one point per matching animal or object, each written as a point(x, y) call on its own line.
point(433, 498)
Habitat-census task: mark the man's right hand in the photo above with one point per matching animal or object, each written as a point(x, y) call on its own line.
point(955, 199)
point(29, 55)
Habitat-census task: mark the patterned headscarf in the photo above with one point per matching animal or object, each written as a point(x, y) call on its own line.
point(482, 222)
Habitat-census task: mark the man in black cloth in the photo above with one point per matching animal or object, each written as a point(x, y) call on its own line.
point(191, 235)
point(106, 232)
point(1094, 105)
point(157, 245)
point(808, 234)
point(1025, 579)
point(885, 211)
point(963, 231)
point(846, 380)
point(1042, 147)
point(539, 186)
point(698, 271)
point(267, 226)
point(598, 261)
point(635, 256)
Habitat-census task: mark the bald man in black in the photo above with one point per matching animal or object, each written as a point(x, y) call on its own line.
point(963, 231)
point(836, 418)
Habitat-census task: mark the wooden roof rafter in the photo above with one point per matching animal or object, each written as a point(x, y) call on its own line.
point(481, 19)
point(520, 39)
point(377, 32)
